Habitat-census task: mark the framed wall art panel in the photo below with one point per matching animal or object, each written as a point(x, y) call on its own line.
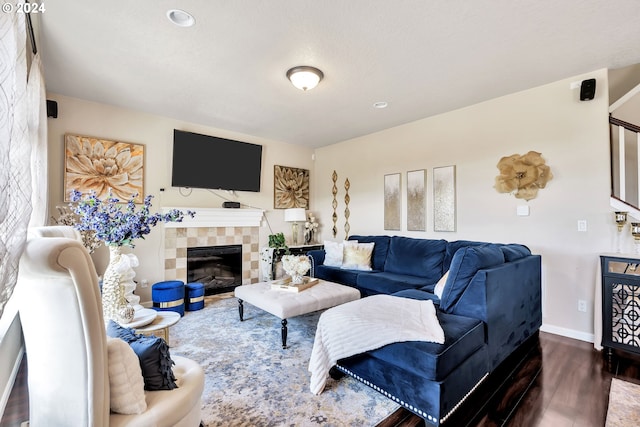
point(290, 187)
point(100, 165)
point(392, 202)
point(416, 200)
point(444, 198)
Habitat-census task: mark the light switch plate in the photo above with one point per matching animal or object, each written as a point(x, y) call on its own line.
point(522, 210)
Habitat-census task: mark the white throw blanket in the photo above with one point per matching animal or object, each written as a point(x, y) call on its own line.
point(367, 324)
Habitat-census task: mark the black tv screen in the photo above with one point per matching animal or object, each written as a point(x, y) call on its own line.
point(201, 161)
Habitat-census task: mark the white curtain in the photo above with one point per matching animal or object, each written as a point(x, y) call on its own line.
point(16, 142)
point(37, 104)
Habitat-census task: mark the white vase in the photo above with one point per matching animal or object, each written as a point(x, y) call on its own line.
point(116, 283)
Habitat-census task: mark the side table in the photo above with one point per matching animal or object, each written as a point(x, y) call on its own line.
point(160, 325)
point(620, 309)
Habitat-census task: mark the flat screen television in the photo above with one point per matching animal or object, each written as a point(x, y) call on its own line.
point(201, 161)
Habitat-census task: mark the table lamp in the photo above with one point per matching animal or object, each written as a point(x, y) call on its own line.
point(294, 215)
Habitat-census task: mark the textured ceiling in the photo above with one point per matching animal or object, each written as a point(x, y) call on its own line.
point(424, 57)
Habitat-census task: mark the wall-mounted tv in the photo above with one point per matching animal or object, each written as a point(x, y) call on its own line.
point(201, 161)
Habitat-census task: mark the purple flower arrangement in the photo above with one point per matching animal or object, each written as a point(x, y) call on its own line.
point(117, 223)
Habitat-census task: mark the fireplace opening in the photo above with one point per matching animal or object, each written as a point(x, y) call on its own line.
point(218, 268)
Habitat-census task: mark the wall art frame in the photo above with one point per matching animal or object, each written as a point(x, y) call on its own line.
point(416, 200)
point(100, 165)
point(444, 198)
point(290, 187)
point(392, 201)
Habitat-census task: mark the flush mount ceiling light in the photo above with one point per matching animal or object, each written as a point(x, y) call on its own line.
point(181, 18)
point(380, 104)
point(304, 77)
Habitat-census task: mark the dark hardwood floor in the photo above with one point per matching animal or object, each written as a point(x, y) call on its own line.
point(17, 409)
point(563, 382)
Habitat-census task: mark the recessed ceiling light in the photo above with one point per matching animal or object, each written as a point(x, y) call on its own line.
point(181, 18)
point(380, 104)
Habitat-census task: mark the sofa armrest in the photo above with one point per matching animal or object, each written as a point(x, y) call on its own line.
point(317, 255)
point(508, 298)
point(419, 295)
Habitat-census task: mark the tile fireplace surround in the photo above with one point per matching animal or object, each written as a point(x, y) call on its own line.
point(213, 227)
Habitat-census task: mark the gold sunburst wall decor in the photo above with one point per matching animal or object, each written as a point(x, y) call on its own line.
point(290, 187)
point(523, 175)
point(100, 165)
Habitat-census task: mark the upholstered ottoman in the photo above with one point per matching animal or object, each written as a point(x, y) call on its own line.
point(168, 296)
point(193, 296)
point(286, 304)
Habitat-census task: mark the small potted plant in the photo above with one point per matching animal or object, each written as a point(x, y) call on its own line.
point(277, 241)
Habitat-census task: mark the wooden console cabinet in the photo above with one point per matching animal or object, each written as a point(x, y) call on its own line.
point(620, 304)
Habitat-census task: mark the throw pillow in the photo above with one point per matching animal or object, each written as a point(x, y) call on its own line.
point(357, 256)
point(114, 330)
point(440, 285)
point(153, 355)
point(126, 385)
point(333, 253)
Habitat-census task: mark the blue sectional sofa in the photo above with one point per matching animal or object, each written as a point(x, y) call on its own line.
point(490, 306)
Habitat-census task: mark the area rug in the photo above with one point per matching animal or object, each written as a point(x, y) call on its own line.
point(251, 381)
point(624, 404)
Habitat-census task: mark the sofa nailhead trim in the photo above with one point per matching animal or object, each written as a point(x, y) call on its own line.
point(464, 398)
point(411, 407)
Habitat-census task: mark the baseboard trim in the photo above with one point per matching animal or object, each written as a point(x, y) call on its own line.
point(569, 333)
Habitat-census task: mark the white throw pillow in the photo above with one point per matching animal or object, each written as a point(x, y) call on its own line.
point(357, 256)
point(333, 253)
point(440, 285)
point(126, 385)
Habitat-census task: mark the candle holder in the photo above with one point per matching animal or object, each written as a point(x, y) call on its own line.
point(621, 220)
point(635, 232)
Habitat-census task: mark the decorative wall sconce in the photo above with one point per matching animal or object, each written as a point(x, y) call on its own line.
point(523, 176)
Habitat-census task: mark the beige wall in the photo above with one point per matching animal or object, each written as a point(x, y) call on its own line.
point(156, 133)
point(571, 135)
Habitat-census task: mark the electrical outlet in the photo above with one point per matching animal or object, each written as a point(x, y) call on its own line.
point(582, 305)
point(144, 283)
point(582, 225)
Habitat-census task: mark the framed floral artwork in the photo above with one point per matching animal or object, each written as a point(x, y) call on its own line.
point(290, 187)
point(100, 165)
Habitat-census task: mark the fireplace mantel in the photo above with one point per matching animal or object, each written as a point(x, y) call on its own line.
point(217, 217)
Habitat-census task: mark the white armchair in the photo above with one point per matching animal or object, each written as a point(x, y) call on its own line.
point(64, 332)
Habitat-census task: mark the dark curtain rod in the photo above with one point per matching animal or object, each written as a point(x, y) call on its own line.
point(31, 35)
